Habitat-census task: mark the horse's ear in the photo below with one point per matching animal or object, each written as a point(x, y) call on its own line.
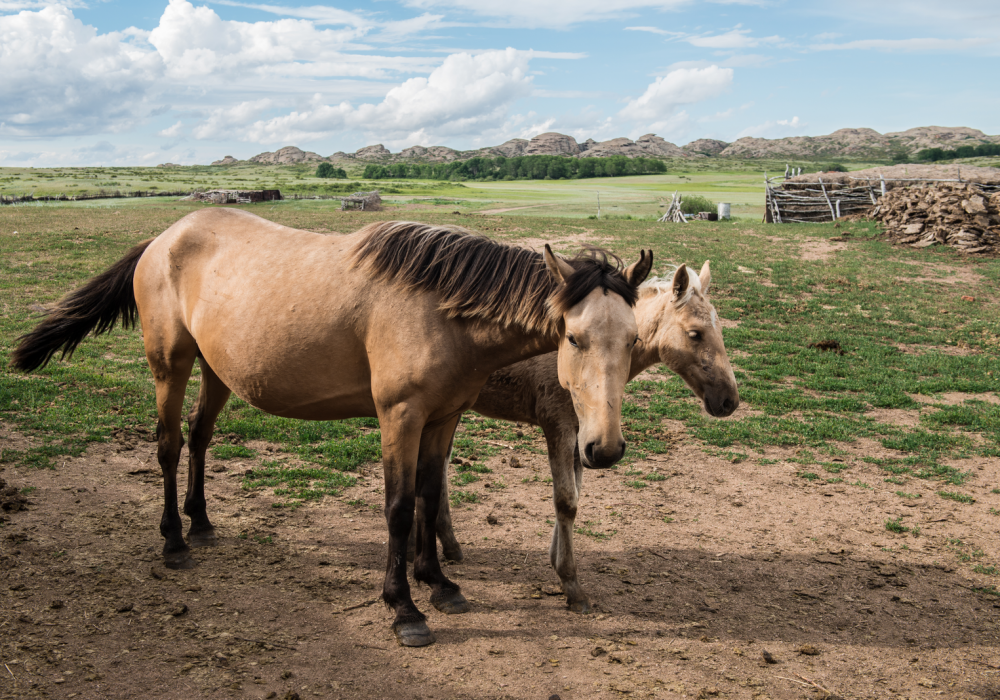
point(637, 272)
point(681, 282)
point(559, 269)
point(706, 277)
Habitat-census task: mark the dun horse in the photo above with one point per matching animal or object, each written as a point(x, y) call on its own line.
point(678, 326)
point(400, 321)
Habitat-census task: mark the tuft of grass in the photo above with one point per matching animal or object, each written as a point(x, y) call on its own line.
point(588, 529)
point(988, 570)
point(464, 478)
point(957, 497)
point(655, 476)
point(459, 497)
point(227, 451)
point(896, 526)
point(904, 494)
point(808, 476)
point(637, 484)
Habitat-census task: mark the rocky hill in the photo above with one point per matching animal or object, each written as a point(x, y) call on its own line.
point(857, 143)
point(847, 144)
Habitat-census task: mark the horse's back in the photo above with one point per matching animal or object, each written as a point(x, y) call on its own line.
point(267, 306)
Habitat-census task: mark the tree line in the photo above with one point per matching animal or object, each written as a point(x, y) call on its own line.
point(933, 154)
point(518, 168)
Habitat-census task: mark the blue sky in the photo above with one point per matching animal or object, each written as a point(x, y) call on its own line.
point(91, 82)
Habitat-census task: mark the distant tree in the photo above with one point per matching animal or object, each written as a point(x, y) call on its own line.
point(834, 168)
point(327, 170)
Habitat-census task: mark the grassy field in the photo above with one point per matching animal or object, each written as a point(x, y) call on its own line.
point(907, 335)
point(737, 182)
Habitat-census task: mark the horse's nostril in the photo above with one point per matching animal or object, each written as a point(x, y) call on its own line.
point(729, 405)
point(621, 449)
point(588, 452)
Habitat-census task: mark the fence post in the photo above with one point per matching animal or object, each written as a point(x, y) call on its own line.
point(833, 214)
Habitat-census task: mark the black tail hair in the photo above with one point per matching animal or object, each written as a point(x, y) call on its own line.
point(96, 306)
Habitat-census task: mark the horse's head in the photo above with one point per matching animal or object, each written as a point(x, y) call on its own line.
point(594, 300)
point(680, 328)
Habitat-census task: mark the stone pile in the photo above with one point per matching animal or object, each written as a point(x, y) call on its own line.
point(960, 215)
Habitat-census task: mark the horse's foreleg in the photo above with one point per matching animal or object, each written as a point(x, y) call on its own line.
point(445, 530)
point(201, 421)
point(566, 477)
point(171, 370)
point(435, 446)
point(400, 447)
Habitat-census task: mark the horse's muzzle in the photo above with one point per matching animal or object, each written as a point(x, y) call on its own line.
point(595, 457)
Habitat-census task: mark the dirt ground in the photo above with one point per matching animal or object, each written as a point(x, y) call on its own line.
point(695, 579)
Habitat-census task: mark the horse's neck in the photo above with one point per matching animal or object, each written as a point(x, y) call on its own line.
point(505, 346)
point(652, 315)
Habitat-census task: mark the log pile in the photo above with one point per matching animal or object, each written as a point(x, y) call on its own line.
point(365, 201)
point(963, 216)
point(674, 212)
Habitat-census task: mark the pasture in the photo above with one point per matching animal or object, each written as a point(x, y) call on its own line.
point(844, 520)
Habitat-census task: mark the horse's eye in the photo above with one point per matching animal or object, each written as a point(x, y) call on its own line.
point(572, 341)
point(694, 335)
point(636, 341)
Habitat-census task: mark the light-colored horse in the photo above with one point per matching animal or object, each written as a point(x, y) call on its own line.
point(401, 321)
point(679, 327)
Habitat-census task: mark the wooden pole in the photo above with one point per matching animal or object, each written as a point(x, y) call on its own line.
point(833, 214)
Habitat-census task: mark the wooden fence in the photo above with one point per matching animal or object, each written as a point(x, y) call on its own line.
point(102, 194)
point(817, 201)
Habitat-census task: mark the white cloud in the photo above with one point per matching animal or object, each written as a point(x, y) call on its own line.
point(171, 131)
point(222, 122)
point(62, 77)
point(683, 86)
point(559, 13)
point(775, 129)
point(916, 44)
point(464, 95)
point(653, 30)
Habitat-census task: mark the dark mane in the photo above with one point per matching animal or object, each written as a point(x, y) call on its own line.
point(478, 277)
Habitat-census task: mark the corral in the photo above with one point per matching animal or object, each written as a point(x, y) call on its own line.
point(843, 520)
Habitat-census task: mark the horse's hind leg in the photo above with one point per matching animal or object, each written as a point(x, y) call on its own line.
point(171, 365)
point(566, 467)
point(201, 422)
point(445, 530)
point(434, 448)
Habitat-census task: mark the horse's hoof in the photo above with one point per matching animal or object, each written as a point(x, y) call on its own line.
point(203, 539)
point(581, 607)
point(450, 602)
point(453, 554)
point(413, 634)
point(179, 560)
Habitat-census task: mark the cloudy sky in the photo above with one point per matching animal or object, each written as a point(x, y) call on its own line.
point(141, 82)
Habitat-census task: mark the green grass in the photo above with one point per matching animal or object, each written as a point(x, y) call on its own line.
point(903, 326)
point(459, 497)
point(896, 526)
point(232, 452)
point(958, 497)
point(587, 528)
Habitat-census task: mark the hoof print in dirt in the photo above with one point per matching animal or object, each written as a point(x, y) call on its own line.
point(768, 659)
point(828, 346)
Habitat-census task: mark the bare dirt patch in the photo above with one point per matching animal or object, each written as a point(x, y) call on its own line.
point(693, 578)
point(895, 416)
point(954, 398)
point(942, 273)
point(819, 250)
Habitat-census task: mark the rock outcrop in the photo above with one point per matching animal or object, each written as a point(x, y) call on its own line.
point(170, 165)
point(433, 154)
point(552, 144)
point(857, 144)
point(376, 152)
point(649, 145)
point(289, 155)
point(706, 147)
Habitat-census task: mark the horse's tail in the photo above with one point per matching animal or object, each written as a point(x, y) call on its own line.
point(96, 306)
